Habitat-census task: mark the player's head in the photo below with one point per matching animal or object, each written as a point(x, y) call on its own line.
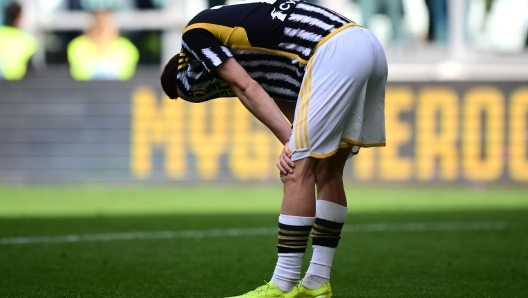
point(168, 77)
point(12, 14)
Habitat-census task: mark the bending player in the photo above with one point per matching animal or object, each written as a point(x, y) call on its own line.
point(327, 75)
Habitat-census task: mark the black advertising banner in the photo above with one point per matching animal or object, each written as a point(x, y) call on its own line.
point(61, 131)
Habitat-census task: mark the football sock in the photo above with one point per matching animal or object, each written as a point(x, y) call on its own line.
point(329, 220)
point(294, 232)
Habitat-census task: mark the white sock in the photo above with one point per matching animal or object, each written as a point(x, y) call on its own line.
point(330, 211)
point(320, 266)
point(321, 263)
point(288, 269)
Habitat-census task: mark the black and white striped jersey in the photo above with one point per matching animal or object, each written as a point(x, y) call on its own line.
point(272, 40)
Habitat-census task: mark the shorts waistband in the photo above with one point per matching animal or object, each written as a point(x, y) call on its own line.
point(326, 38)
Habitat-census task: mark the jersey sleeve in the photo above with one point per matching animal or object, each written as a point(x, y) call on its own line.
point(195, 83)
point(206, 48)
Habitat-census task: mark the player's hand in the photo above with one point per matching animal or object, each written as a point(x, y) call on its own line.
point(284, 162)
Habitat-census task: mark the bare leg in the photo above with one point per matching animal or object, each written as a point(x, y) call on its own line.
point(331, 215)
point(329, 175)
point(295, 223)
point(299, 189)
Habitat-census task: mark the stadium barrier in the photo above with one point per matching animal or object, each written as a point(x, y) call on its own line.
point(55, 130)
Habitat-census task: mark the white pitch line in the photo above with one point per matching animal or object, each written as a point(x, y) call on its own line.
point(358, 228)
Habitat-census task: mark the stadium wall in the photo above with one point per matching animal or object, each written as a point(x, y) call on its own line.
point(58, 131)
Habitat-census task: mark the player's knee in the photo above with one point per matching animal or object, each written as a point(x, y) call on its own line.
point(298, 177)
point(290, 178)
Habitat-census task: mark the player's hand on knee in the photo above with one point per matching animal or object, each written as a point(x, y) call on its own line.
point(284, 162)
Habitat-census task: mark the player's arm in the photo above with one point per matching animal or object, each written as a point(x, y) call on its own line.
point(254, 98)
point(218, 58)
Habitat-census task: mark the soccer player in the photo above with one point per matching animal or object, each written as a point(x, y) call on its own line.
point(327, 75)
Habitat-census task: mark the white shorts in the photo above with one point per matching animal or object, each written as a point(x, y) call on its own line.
point(342, 98)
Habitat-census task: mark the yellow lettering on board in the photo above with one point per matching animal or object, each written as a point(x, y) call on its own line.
point(437, 140)
point(364, 164)
point(251, 155)
point(392, 166)
point(483, 161)
point(208, 135)
point(518, 143)
point(156, 126)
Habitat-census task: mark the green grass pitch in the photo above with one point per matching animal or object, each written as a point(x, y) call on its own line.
point(399, 242)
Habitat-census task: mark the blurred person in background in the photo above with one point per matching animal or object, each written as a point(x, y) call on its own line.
point(213, 3)
point(3, 4)
point(497, 25)
point(16, 46)
point(438, 27)
point(150, 4)
point(525, 24)
point(101, 53)
point(93, 5)
point(393, 9)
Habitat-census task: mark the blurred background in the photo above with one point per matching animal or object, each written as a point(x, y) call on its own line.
point(110, 189)
point(80, 99)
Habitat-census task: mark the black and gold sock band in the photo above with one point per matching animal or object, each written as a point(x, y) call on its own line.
point(326, 233)
point(293, 239)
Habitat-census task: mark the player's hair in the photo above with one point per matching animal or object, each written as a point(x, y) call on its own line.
point(11, 13)
point(168, 77)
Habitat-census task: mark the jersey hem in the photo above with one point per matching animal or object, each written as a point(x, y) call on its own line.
point(360, 144)
point(326, 38)
point(350, 143)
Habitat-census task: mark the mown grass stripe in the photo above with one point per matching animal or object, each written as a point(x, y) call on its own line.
point(358, 228)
